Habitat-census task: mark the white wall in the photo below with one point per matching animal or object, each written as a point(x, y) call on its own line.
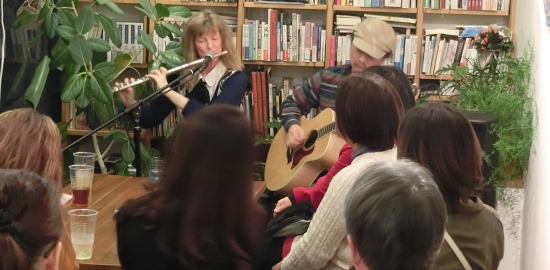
point(536, 216)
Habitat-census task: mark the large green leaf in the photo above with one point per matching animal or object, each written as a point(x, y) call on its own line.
point(117, 135)
point(85, 20)
point(23, 18)
point(60, 54)
point(82, 101)
point(105, 70)
point(99, 45)
point(81, 52)
point(18, 85)
point(98, 113)
point(50, 23)
point(174, 45)
point(66, 32)
point(161, 30)
point(122, 62)
point(35, 89)
point(128, 154)
point(73, 87)
point(148, 9)
point(147, 42)
point(162, 11)
point(180, 11)
point(114, 8)
point(43, 12)
point(109, 26)
point(66, 17)
point(172, 58)
point(99, 89)
point(154, 64)
point(174, 29)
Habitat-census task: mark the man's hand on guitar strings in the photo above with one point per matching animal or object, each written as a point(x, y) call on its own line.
point(295, 137)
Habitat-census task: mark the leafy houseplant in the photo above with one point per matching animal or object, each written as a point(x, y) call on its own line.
point(502, 86)
point(86, 74)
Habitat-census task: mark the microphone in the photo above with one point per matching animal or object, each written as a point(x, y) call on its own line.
point(208, 58)
point(203, 62)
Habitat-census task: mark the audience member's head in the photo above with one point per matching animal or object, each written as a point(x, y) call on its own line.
point(368, 111)
point(441, 138)
point(30, 221)
point(399, 80)
point(31, 141)
point(395, 217)
point(204, 194)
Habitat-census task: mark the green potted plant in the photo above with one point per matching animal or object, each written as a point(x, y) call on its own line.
point(502, 85)
point(86, 75)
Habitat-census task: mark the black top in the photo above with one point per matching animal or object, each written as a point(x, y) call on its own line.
point(137, 247)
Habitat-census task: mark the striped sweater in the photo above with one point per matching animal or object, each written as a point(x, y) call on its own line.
point(319, 91)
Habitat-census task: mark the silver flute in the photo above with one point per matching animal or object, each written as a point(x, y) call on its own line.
point(203, 61)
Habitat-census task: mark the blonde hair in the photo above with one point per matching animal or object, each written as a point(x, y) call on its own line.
point(204, 22)
point(31, 141)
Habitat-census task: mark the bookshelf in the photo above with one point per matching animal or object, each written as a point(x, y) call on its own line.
point(322, 14)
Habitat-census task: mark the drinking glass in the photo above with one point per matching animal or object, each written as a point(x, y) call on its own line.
point(82, 177)
point(155, 168)
point(82, 227)
point(86, 158)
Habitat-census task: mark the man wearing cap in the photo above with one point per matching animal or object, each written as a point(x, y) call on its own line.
point(373, 41)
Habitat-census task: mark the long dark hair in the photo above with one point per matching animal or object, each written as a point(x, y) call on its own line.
point(441, 138)
point(202, 206)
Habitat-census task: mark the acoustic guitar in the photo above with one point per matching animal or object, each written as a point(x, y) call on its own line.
point(286, 168)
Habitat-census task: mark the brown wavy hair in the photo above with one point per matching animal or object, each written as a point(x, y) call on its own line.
point(204, 22)
point(30, 140)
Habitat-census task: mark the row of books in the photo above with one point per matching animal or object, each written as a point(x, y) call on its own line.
point(377, 3)
point(264, 101)
point(25, 43)
point(445, 47)
point(486, 5)
point(279, 40)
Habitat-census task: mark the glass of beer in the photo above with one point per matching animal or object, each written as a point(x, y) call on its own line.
point(82, 177)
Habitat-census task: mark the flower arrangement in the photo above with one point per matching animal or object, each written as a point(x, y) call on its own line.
point(494, 38)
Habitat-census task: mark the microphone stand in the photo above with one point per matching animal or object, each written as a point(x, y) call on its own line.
point(135, 109)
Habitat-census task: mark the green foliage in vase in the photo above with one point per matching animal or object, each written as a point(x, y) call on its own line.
point(502, 86)
point(86, 75)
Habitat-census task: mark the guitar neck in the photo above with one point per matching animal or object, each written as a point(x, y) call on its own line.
point(327, 129)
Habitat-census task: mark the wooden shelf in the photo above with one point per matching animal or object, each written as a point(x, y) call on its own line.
point(285, 63)
point(197, 3)
point(285, 6)
point(375, 10)
point(466, 12)
point(446, 77)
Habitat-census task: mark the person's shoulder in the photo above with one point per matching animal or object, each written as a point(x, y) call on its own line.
point(235, 75)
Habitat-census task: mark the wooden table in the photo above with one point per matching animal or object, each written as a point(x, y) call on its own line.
point(109, 192)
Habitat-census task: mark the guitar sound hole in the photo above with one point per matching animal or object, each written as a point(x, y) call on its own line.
point(311, 139)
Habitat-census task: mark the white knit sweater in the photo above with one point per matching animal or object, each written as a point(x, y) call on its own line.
point(324, 245)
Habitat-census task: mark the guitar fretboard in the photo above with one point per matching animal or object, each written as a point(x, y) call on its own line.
point(327, 129)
